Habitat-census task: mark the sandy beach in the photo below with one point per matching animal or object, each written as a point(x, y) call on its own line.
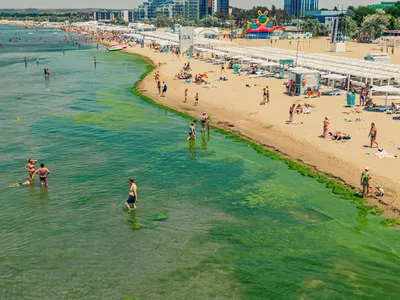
point(236, 107)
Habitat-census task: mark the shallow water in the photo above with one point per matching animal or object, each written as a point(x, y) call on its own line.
point(234, 224)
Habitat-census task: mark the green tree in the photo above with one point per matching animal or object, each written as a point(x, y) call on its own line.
point(210, 21)
point(373, 25)
point(347, 25)
point(360, 13)
point(161, 21)
point(314, 26)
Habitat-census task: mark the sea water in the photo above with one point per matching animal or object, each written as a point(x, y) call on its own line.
point(216, 220)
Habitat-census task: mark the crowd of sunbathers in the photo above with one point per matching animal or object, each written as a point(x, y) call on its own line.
point(300, 109)
point(185, 72)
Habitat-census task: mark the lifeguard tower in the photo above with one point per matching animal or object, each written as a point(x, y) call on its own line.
point(336, 44)
point(285, 64)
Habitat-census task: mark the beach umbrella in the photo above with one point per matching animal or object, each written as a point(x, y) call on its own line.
point(386, 89)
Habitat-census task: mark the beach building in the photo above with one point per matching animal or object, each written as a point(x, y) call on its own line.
point(109, 15)
point(106, 15)
point(326, 17)
point(297, 8)
point(191, 9)
point(383, 5)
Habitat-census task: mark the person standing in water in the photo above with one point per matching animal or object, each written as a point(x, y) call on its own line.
point(25, 61)
point(365, 178)
point(192, 132)
point(95, 61)
point(203, 120)
point(43, 172)
point(37, 60)
point(30, 167)
point(63, 51)
point(132, 198)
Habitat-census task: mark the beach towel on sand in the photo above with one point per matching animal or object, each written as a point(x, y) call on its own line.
point(383, 154)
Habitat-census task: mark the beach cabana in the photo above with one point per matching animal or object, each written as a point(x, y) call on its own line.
point(389, 89)
point(304, 79)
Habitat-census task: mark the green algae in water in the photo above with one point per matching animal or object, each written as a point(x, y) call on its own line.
point(161, 217)
point(391, 222)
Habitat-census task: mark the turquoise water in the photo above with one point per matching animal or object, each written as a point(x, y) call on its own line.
point(216, 220)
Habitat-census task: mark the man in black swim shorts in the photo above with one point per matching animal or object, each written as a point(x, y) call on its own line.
point(132, 199)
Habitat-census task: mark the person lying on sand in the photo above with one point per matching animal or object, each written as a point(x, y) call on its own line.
point(338, 136)
point(379, 191)
point(310, 105)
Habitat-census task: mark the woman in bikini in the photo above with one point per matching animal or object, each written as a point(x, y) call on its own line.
point(43, 172)
point(365, 178)
point(264, 97)
point(291, 113)
point(30, 167)
point(325, 131)
point(192, 132)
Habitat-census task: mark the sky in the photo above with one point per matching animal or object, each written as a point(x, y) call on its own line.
point(135, 3)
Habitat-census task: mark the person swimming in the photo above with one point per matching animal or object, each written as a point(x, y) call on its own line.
point(30, 167)
point(43, 172)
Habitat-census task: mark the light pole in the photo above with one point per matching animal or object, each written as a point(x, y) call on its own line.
point(297, 52)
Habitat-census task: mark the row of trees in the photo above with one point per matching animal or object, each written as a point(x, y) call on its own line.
point(43, 17)
point(207, 21)
point(240, 17)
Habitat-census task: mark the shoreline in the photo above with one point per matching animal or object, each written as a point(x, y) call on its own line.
point(335, 183)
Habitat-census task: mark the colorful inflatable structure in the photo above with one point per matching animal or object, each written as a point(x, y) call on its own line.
point(262, 27)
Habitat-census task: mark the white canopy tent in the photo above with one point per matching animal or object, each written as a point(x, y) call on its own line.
point(387, 90)
point(333, 77)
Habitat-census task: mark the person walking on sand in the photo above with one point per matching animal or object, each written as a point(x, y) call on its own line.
point(372, 134)
point(43, 172)
point(196, 99)
point(291, 113)
point(159, 87)
point(132, 198)
point(186, 95)
point(222, 68)
point(264, 100)
point(362, 97)
point(164, 89)
point(325, 130)
point(267, 93)
point(365, 178)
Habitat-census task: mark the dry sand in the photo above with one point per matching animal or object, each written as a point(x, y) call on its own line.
point(236, 107)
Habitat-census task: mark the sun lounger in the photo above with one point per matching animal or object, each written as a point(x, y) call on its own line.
point(378, 108)
point(335, 92)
